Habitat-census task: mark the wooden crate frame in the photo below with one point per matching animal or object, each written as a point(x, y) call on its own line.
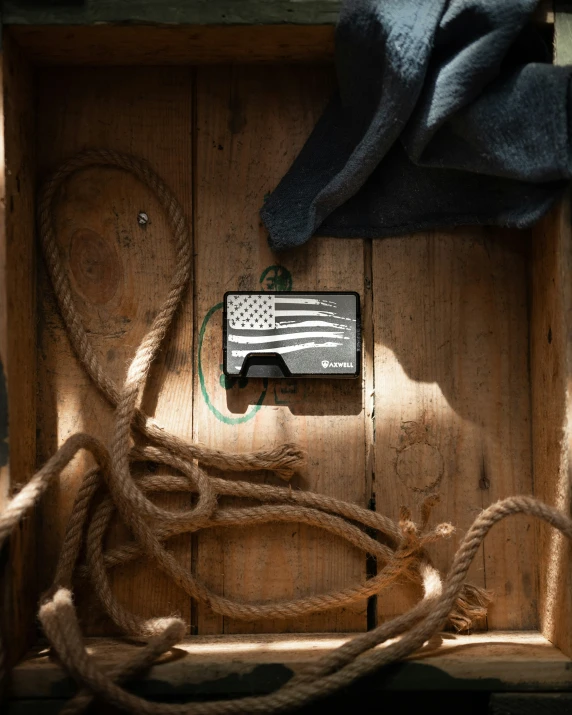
point(37, 43)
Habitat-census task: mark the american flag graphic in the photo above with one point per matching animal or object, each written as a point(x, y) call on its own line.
point(288, 325)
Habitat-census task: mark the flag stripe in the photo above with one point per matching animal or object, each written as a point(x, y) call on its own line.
point(305, 301)
point(311, 324)
point(309, 313)
point(287, 349)
point(252, 339)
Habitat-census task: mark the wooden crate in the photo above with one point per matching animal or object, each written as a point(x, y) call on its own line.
point(467, 352)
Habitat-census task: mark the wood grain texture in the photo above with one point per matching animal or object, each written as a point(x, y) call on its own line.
point(251, 123)
point(452, 400)
point(151, 45)
point(551, 370)
point(368, 355)
point(551, 366)
point(216, 665)
point(19, 591)
point(119, 272)
point(187, 12)
point(182, 33)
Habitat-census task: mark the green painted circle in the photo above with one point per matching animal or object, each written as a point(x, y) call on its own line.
point(223, 418)
point(276, 278)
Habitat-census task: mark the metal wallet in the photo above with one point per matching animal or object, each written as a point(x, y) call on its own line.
point(292, 334)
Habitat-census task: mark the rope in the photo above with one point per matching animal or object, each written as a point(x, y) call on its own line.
point(401, 548)
point(337, 670)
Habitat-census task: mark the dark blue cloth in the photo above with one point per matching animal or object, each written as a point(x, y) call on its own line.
point(448, 112)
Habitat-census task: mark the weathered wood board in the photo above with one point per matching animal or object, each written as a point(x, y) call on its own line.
point(551, 365)
point(119, 272)
point(188, 12)
point(452, 405)
point(251, 122)
point(112, 45)
point(551, 368)
point(244, 664)
point(19, 589)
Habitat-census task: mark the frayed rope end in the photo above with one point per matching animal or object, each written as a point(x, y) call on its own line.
point(286, 460)
point(471, 606)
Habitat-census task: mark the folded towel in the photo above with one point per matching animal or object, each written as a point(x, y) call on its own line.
point(448, 112)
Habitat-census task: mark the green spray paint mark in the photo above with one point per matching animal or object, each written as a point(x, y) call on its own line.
point(223, 418)
point(276, 278)
point(272, 278)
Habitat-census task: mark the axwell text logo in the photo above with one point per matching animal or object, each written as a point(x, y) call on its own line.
point(327, 363)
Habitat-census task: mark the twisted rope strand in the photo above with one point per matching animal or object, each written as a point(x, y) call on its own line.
point(141, 661)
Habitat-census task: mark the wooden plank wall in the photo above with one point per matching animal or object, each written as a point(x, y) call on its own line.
point(187, 12)
point(551, 364)
point(551, 367)
point(251, 122)
point(150, 32)
point(19, 588)
point(445, 324)
point(111, 45)
point(452, 399)
point(119, 271)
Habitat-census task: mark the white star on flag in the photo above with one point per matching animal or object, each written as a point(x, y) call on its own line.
point(251, 312)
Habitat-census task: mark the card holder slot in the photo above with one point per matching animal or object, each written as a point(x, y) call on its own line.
point(265, 365)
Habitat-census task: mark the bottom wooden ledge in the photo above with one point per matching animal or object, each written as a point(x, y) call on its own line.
point(221, 665)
